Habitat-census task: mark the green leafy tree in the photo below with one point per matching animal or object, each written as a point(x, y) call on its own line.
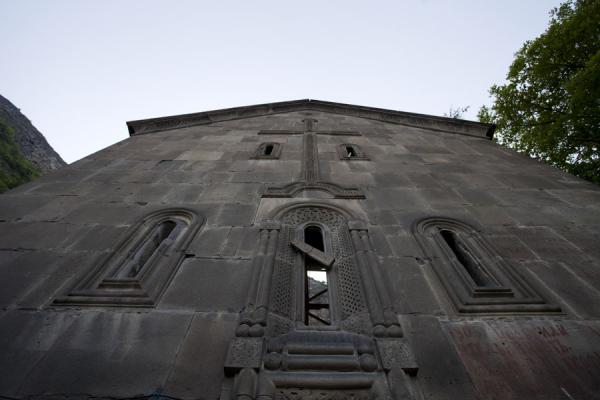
point(550, 106)
point(15, 169)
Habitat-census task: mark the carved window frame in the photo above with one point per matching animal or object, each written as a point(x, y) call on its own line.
point(286, 270)
point(106, 286)
point(332, 278)
point(359, 153)
point(510, 292)
point(259, 153)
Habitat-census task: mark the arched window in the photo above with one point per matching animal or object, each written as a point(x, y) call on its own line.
point(139, 270)
point(268, 150)
point(476, 278)
point(349, 151)
point(317, 309)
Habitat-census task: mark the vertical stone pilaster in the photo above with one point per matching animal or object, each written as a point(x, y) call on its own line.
point(254, 317)
point(377, 292)
point(310, 165)
point(272, 233)
point(257, 264)
point(309, 124)
point(371, 295)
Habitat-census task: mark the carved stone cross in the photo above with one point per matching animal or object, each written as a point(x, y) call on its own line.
point(309, 124)
point(311, 172)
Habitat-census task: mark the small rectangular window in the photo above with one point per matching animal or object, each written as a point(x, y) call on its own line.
point(269, 150)
point(351, 151)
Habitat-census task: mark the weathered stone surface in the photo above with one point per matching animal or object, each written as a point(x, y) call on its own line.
point(545, 224)
point(25, 339)
point(410, 289)
point(549, 357)
point(442, 375)
point(198, 368)
point(208, 285)
point(100, 353)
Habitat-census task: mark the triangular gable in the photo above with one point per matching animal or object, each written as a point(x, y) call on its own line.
point(443, 124)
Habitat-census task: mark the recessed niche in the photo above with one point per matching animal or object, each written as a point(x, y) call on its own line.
point(139, 270)
point(477, 279)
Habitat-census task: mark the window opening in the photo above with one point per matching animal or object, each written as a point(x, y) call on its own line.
point(317, 310)
point(313, 236)
point(350, 152)
point(150, 248)
point(267, 150)
point(466, 259)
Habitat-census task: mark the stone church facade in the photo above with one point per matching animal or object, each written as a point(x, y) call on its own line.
point(301, 250)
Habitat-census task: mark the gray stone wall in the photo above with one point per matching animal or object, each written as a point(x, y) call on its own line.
point(54, 230)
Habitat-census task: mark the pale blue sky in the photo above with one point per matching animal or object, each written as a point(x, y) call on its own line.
point(79, 69)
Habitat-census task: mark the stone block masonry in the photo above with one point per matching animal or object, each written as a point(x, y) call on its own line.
point(455, 268)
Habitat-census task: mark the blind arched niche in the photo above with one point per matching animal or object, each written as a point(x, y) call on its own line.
point(141, 267)
point(477, 279)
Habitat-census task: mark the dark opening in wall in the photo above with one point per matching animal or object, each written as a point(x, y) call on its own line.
point(268, 150)
point(314, 236)
point(466, 259)
point(316, 282)
point(351, 151)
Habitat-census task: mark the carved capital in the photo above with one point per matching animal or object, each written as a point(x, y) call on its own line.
point(396, 353)
point(243, 353)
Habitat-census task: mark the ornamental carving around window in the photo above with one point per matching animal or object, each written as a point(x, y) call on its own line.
point(475, 277)
point(319, 317)
point(138, 272)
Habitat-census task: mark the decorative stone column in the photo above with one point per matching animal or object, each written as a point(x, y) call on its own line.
point(385, 323)
point(253, 319)
point(394, 350)
point(246, 349)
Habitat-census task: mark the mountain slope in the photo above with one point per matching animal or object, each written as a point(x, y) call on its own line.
point(15, 169)
point(24, 152)
point(31, 142)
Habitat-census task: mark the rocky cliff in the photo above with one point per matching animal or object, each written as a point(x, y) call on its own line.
point(31, 142)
